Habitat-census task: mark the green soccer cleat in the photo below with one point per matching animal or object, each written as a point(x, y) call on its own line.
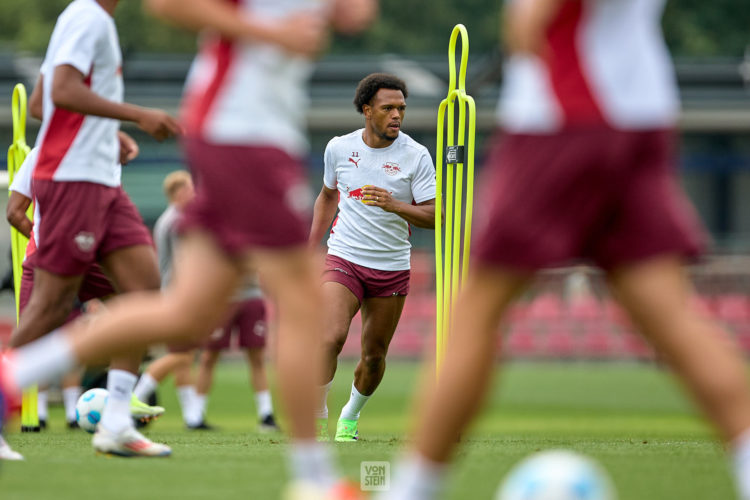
point(142, 412)
point(321, 430)
point(346, 431)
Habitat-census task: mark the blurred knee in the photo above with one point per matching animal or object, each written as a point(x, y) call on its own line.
point(190, 322)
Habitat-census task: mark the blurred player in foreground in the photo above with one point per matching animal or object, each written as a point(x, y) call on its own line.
point(585, 169)
point(382, 181)
point(244, 113)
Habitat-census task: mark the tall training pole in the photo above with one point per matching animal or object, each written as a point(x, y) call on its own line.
point(452, 247)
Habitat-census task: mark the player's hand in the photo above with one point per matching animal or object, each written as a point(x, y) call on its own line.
point(128, 147)
point(303, 34)
point(379, 197)
point(158, 124)
point(353, 16)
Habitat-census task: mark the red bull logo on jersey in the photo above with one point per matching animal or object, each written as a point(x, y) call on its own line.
point(358, 194)
point(391, 168)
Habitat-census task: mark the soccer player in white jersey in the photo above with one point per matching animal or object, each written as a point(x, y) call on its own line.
point(382, 182)
point(585, 169)
point(84, 216)
point(244, 114)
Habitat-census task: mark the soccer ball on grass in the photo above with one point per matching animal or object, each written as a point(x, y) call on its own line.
point(89, 408)
point(557, 475)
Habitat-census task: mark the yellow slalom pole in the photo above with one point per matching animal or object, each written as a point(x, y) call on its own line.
point(16, 155)
point(452, 246)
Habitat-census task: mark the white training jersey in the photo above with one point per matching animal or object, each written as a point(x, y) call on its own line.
point(250, 93)
point(72, 146)
point(368, 235)
point(605, 63)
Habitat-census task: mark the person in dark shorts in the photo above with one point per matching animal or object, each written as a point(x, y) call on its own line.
point(248, 324)
point(95, 286)
point(381, 181)
point(584, 168)
point(84, 215)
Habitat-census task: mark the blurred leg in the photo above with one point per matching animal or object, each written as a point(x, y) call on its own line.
point(257, 363)
point(469, 357)
point(656, 294)
point(291, 280)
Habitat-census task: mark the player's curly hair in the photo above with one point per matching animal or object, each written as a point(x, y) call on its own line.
point(370, 85)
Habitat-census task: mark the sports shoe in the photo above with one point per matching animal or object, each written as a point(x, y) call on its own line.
point(128, 443)
point(306, 490)
point(268, 424)
point(142, 412)
point(7, 453)
point(201, 426)
point(321, 430)
point(346, 431)
point(73, 424)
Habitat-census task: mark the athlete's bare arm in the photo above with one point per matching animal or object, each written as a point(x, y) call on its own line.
point(419, 215)
point(15, 212)
point(303, 33)
point(323, 212)
point(353, 16)
point(526, 22)
point(70, 92)
point(35, 100)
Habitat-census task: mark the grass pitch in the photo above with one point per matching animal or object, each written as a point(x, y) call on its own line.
point(632, 418)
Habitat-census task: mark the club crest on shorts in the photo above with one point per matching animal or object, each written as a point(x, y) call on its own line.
point(85, 241)
point(391, 168)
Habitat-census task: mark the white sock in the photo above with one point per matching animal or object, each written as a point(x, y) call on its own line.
point(354, 405)
point(42, 361)
point(323, 391)
point(116, 415)
point(741, 462)
point(263, 404)
point(310, 461)
point(196, 413)
point(41, 405)
point(186, 396)
point(145, 387)
point(70, 398)
point(416, 478)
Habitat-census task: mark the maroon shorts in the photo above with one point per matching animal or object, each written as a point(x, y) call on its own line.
point(365, 282)
point(249, 321)
point(247, 197)
point(95, 285)
point(81, 222)
point(598, 194)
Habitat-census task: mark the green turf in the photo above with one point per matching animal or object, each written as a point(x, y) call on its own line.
point(632, 418)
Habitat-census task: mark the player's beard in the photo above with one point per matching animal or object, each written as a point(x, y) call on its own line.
point(385, 136)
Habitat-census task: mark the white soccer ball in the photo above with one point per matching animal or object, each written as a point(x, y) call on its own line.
point(557, 475)
point(89, 408)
